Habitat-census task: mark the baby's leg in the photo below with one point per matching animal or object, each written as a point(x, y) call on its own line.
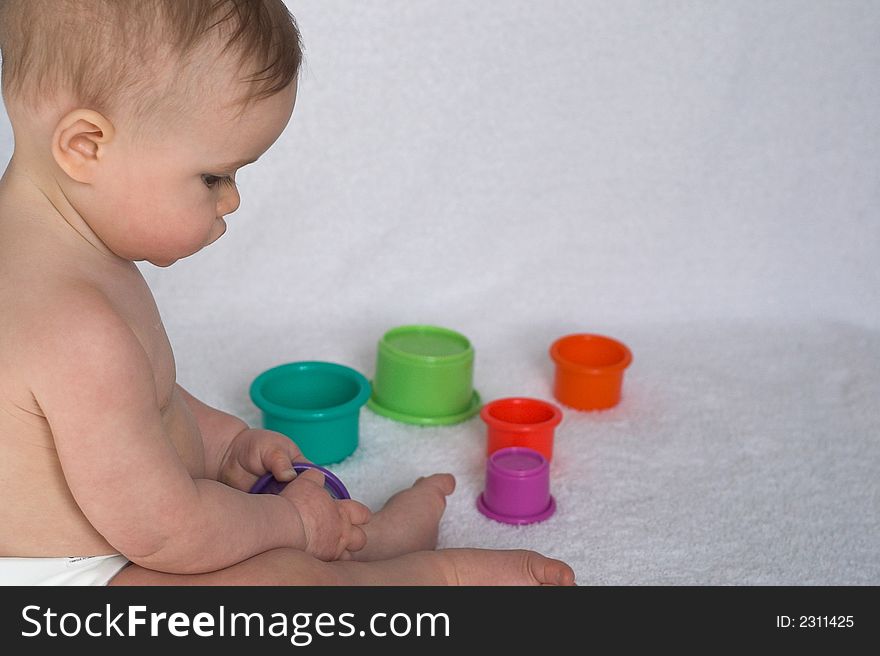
point(444, 567)
point(459, 567)
point(408, 521)
point(275, 567)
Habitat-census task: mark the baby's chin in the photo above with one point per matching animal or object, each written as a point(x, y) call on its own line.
point(218, 229)
point(163, 264)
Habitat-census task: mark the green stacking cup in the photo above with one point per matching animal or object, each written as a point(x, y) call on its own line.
point(424, 375)
point(316, 404)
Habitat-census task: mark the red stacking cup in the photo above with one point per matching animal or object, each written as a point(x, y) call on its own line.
point(522, 422)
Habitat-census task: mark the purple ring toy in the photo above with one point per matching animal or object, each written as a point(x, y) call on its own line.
point(267, 484)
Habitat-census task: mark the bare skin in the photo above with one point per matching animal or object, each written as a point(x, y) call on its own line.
point(399, 551)
point(91, 415)
point(409, 520)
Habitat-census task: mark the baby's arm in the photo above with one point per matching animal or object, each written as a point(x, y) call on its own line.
point(95, 384)
point(218, 429)
point(236, 454)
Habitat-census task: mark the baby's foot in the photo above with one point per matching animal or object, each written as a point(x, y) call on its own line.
point(409, 520)
point(489, 567)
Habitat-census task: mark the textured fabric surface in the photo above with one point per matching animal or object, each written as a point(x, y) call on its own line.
point(740, 453)
point(698, 180)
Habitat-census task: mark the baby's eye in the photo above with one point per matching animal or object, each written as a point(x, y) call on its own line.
point(212, 180)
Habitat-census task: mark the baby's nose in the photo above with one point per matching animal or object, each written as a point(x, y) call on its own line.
point(229, 202)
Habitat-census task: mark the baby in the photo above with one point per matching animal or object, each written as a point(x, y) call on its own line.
point(131, 118)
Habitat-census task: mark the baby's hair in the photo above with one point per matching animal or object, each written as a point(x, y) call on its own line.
point(133, 54)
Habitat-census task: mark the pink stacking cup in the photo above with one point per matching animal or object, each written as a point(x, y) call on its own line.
point(517, 487)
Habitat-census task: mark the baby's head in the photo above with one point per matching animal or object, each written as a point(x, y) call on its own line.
point(132, 116)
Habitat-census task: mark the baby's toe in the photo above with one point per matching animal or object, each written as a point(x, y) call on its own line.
point(548, 571)
point(445, 483)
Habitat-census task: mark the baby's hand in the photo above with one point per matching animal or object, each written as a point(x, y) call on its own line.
point(332, 527)
point(254, 452)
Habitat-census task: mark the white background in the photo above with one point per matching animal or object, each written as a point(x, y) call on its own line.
point(697, 179)
point(593, 163)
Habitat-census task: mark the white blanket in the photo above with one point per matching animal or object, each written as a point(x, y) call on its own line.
point(740, 453)
point(698, 180)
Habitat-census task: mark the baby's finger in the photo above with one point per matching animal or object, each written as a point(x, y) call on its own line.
point(356, 512)
point(287, 446)
point(293, 452)
point(314, 476)
point(279, 463)
point(357, 539)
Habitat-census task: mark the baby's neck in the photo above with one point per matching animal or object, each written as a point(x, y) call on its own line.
point(31, 202)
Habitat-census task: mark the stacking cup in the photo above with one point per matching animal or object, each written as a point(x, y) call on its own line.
point(521, 422)
point(589, 371)
point(316, 404)
point(267, 484)
point(424, 375)
point(517, 487)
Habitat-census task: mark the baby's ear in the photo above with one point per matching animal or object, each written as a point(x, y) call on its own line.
point(78, 142)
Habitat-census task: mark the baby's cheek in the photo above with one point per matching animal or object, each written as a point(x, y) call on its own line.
point(189, 232)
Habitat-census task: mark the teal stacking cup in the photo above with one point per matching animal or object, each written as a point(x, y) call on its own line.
point(424, 375)
point(316, 404)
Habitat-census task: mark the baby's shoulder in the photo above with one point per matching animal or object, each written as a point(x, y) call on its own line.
point(69, 321)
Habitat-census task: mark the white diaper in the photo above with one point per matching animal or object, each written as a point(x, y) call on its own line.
point(74, 570)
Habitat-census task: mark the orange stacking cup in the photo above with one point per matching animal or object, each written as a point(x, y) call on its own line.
point(589, 370)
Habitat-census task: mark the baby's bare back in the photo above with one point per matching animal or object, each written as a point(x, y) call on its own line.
point(49, 286)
